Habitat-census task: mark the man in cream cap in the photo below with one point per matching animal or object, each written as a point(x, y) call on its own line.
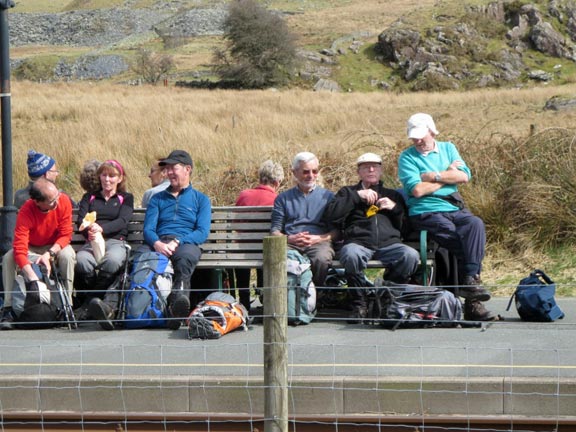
point(371, 218)
point(430, 172)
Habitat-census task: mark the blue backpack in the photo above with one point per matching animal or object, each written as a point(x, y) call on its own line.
point(301, 289)
point(150, 285)
point(535, 298)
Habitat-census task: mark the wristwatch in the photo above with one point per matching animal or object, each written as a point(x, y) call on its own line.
point(52, 253)
point(437, 177)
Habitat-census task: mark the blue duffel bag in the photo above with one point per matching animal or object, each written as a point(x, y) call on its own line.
point(535, 298)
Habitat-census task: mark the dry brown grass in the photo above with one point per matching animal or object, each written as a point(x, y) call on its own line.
point(322, 24)
point(229, 133)
point(230, 130)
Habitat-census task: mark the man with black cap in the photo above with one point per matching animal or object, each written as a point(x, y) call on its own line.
point(430, 172)
point(372, 219)
point(39, 165)
point(177, 222)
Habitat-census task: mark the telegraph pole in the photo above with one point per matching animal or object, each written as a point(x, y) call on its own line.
point(8, 211)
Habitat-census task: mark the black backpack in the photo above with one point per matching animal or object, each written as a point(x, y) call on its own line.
point(37, 307)
point(413, 306)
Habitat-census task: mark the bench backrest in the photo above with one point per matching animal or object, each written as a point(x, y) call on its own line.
point(235, 239)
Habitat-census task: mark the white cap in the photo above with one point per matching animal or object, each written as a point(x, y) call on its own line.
point(369, 157)
point(419, 125)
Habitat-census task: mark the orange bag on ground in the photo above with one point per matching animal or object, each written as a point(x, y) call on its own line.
point(215, 316)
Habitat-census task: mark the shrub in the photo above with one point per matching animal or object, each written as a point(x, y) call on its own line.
point(260, 49)
point(36, 69)
point(524, 189)
point(151, 66)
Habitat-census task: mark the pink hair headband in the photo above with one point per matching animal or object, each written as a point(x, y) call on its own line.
point(116, 165)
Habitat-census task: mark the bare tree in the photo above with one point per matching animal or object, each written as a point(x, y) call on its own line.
point(151, 66)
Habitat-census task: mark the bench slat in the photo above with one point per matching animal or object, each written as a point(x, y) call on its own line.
point(206, 247)
point(221, 264)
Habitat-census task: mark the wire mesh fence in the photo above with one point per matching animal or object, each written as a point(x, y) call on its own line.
point(519, 375)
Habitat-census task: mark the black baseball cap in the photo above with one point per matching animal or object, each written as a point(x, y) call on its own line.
point(177, 156)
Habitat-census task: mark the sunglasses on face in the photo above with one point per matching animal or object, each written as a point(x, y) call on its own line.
point(306, 172)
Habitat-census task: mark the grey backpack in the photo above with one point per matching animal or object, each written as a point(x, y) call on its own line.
point(301, 289)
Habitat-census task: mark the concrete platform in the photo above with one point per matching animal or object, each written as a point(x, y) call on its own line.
point(507, 368)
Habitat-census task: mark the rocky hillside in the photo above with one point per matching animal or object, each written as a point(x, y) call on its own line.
point(502, 43)
point(104, 30)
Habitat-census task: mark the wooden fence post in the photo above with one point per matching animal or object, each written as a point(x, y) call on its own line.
point(275, 335)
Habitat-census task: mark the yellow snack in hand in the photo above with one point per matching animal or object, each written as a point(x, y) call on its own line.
point(372, 210)
point(88, 220)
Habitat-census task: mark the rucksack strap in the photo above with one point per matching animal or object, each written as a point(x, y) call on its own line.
point(544, 276)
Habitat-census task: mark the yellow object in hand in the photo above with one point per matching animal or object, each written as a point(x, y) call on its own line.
point(372, 210)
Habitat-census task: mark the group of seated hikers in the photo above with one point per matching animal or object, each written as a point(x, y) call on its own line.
point(360, 222)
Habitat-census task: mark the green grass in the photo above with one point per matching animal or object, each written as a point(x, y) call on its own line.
point(37, 68)
point(45, 6)
point(357, 71)
point(561, 269)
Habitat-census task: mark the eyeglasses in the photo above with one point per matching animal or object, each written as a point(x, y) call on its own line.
point(53, 171)
point(54, 201)
point(306, 172)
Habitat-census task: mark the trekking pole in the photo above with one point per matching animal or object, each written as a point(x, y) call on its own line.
point(68, 310)
point(121, 314)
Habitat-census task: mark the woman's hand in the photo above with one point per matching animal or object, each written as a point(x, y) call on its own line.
point(93, 230)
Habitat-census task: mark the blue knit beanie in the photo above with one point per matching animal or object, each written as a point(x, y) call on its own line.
point(38, 163)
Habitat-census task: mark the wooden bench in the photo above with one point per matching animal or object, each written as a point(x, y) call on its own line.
point(235, 240)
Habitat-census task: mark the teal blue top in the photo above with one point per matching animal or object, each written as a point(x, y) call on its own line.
point(412, 164)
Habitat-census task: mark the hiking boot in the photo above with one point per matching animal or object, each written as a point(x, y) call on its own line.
point(102, 312)
point(358, 315)
point(178, 308)
point(475, 310)
point(81, 313)
point(7, 319)
point(472, 289)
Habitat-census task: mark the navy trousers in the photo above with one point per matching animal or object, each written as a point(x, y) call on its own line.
point(461, 232)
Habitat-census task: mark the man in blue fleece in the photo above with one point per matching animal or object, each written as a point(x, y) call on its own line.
point(177, 222)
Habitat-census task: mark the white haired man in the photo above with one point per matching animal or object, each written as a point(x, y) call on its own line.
point(298, 213)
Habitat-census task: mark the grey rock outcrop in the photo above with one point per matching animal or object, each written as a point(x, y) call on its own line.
point(193, 22)
point(326, 85)
point(91, 68)
point(450, 54)
point(558, 103)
